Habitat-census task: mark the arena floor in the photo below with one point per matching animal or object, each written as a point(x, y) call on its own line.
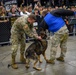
point(59, 68)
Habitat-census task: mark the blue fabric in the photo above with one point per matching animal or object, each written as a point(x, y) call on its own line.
point(54, 23)
point(75, 13)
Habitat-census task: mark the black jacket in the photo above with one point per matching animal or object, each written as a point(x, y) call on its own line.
point(59, 13)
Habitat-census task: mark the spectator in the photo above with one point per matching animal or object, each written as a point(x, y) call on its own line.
point(38, 19)
point(24, 11)
point(1, 2)
point(13, 12)
point(3, 15)
point(29, 9)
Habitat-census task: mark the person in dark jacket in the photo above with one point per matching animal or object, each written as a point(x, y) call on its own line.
point(54, 22)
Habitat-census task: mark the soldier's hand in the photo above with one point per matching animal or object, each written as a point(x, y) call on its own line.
point(39, 37)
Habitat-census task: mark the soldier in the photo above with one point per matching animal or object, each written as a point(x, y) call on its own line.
point(23, 25)
point(54, 22)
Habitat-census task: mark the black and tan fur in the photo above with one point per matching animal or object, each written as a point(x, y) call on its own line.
point(35, 50)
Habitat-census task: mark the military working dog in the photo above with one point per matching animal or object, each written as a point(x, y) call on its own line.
point(34, 51)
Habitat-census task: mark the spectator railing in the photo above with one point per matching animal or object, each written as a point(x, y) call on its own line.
point(72, 21)
point(5, 28)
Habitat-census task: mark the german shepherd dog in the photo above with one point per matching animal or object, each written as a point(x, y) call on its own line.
point(34, 51)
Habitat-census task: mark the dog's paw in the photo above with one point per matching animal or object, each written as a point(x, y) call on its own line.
point(40, 61)
point(39, 69)
point(47, 60)
point(27, 66)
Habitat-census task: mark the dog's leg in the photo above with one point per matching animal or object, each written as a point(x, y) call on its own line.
point(39, 59)
point(39, 69)
point(45, 57)
point(27, 63)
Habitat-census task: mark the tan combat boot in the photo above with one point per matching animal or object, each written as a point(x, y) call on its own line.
point(14, 65)
point(51, 61)
point(60, 59)
point(22, 59)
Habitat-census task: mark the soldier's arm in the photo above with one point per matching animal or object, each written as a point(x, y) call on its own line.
point(29, 32)
point(34, 31)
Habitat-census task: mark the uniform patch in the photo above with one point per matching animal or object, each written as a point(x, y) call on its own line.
point(26, 27)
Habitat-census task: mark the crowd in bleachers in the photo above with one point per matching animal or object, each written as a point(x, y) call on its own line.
point(16, 11)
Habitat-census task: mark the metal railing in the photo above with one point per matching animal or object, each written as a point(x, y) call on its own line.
point(72, 22)
point(6, 26)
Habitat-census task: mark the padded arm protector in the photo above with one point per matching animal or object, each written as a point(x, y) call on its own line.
point(62, 12)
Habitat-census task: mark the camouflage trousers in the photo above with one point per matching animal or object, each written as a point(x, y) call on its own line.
point(59, 38)
point(18, 42)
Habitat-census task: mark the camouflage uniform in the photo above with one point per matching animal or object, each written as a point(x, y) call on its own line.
point(60, 37)
point(18, 31)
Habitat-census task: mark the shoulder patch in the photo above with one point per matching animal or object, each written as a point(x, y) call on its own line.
point(26, 26)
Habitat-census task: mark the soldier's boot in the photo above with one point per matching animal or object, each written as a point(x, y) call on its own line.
point(60, 59)
point(51, 61)
point(22, 59)
point(14, 65)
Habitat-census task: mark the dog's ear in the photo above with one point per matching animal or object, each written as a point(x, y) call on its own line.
point(41, 29)
point(43, 34)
